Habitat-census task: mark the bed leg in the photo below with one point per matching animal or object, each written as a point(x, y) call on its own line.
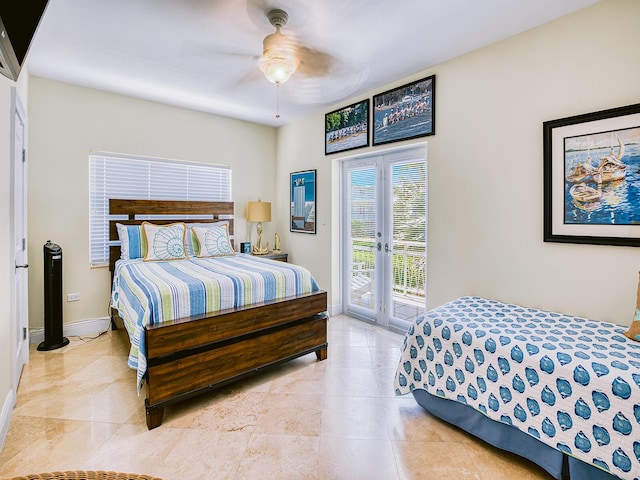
point(322, 353)
point(112, 316)
point(154, 415)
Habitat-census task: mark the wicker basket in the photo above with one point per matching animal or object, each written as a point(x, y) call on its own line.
point(82, 475)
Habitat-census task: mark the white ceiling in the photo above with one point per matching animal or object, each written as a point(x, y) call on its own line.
point(203, 54)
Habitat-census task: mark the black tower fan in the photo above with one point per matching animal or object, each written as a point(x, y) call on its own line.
point(52, 298)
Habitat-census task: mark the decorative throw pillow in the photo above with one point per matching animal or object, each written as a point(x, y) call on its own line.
point(634, 331)
point(213, 241)
point(133, 244)
point(164, 242)
point(191, 246)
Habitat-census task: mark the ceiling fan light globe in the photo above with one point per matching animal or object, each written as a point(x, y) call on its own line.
point(278, 69)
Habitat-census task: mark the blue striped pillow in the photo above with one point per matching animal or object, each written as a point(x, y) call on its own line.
point(133, 243)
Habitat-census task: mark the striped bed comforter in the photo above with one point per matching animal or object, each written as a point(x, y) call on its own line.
point(148, 293)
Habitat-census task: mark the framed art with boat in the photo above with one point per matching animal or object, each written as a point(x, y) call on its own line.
point(592, 178)
point(405, 112)
point(347, 128)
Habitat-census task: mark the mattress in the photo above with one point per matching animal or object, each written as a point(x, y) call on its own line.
point(149, 293)
point(569, 382)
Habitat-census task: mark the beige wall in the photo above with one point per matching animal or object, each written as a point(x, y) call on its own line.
point(485, 168)
point(67, 122)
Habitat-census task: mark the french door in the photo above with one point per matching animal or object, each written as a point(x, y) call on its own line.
point(384, 237)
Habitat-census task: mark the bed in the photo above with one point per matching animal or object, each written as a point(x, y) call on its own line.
point(562, 391)
point(184, 351)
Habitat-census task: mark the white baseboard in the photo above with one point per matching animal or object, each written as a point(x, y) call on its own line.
point(90, 327)
point(5, 415)
point(335, 310)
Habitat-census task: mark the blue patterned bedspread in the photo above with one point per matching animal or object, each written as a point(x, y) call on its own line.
point(147, 293)
point(572, 383)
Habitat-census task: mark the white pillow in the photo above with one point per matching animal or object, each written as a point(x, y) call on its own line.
point(213, 241)
point(164, 242)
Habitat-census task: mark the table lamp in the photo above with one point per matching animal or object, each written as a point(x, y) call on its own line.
point(259, 212)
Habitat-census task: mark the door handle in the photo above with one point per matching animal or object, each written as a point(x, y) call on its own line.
point(386, 248)
point(26, 265)
point(379, 246)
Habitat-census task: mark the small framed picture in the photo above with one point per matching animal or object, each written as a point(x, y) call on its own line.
point(245, 247)
point(303, 202)
point(347, 128)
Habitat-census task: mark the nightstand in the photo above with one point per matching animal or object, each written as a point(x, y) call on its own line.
point(280, 257)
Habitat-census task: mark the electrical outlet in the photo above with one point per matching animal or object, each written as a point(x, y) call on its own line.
point(73, 297)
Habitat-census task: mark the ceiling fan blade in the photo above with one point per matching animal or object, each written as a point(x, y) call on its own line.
point(198, 48)
point(313, 63)
point(252, 76)
point(313, 90)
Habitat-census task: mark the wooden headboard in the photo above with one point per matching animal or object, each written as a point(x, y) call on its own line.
point(136, 208)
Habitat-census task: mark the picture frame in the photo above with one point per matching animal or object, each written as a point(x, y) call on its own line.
point(592, 178)
point(405, 112)
point(303, 202)
point(245, 247)
point(347, 128)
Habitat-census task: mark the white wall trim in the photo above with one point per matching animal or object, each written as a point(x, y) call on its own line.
point(5, 415)
point(335, 309)
point(90, 327)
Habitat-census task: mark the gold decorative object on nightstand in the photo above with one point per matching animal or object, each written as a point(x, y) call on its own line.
point(276, 248)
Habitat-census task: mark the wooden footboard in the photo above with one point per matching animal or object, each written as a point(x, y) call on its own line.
point(191, 356)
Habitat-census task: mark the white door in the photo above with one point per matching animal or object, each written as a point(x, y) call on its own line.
point(384, 240)
point(19, 301)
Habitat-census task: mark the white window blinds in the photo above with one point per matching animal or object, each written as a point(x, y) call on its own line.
point(132, 177)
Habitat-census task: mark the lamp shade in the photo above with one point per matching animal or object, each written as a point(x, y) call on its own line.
point(259, 211)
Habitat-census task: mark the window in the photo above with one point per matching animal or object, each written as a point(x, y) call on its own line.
point(132, 177)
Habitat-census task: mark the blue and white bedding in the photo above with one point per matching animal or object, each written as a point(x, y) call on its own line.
point(148, 293)
point(572, 383)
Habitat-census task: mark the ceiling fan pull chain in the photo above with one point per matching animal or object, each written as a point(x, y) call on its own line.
point(278, 100)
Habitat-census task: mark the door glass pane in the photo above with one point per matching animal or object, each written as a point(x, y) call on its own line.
point(362, 233)
point(409, 247)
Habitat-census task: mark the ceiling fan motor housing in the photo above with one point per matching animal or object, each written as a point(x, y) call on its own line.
point(278, 18)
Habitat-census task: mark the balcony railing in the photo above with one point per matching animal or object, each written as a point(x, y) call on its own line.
point(408, 260)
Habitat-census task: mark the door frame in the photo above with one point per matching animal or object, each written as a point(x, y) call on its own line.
point(420, 149)
point(21, 358)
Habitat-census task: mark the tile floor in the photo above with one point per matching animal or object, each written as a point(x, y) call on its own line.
point(78, 409)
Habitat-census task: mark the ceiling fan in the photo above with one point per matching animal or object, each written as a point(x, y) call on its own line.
point(279, 59)
point(289, 54)
point(282, 56)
